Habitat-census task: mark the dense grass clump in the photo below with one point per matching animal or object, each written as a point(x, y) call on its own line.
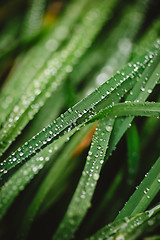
point(79, 120)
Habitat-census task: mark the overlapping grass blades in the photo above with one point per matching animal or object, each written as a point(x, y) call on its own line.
point(138, 203)
point(140, 92)
point(131, 92)
point(37, 162)
point(59, 65)
point(50, 180)
point(106, 60)
point(83, 194)
point(84, 191)
point(129, 228)
point(144, 194)
point(105, 95)
point(31, 63)
point(147, 109)
point(65, 121)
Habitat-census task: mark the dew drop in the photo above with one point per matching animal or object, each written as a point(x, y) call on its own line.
point(96, 176)
point(101, 161)
point(89, 153)
point(108, 128)
point(142, 89)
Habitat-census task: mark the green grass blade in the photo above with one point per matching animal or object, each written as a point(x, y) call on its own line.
point(56, 172)
point(147, 222)
point(150, 124)
point(140, 92)
point(80, 124)
point(144, 194)
point(68, 64)
point(33, 62)
point(87, 183)
point(108, 197)
point(148, 109)
point(24, 174)
point(111, 100)
point(82, 111)
point(7, 165)
point(109, 59)
point(36, 167)
point(54, 74)
point(133, 146)
point(129, 228)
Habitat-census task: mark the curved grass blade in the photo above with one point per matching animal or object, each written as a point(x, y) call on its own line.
point(145, 224)
point(41, 159)
point(133, 146)
point(114, 56)
point(28, 167)
point(121, 109)
point(40, 120)
point(75, 157)
point(50, 180)
point(105, 95)
point(54, 74)
point(120, 90)
point(33, 62)
point(144, 194)
point(129, 228)
point(25, 173)
point(140, 92)
point(120, 41)
point(147, 109)
point(108, 197)
point(87, 183)
point(150, 124)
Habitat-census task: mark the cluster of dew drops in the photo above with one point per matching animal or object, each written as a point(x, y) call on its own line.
point(47, 134)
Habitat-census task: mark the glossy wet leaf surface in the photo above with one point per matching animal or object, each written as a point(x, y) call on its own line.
point(75, 76)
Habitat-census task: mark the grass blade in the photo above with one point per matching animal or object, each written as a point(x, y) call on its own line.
point(98, 213)
point(53, 175)
point(133, 145)
point(46, 48)
point(61, 64)
point(82, 111)
point(140, 92)
point(8, 165)
point(26, 173)
point(129, 228)
point(148, 109)
point(85, 189)
point(109, 59)
point(144, 194)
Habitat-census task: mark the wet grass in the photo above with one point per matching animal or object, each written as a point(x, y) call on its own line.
point(79, 120)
